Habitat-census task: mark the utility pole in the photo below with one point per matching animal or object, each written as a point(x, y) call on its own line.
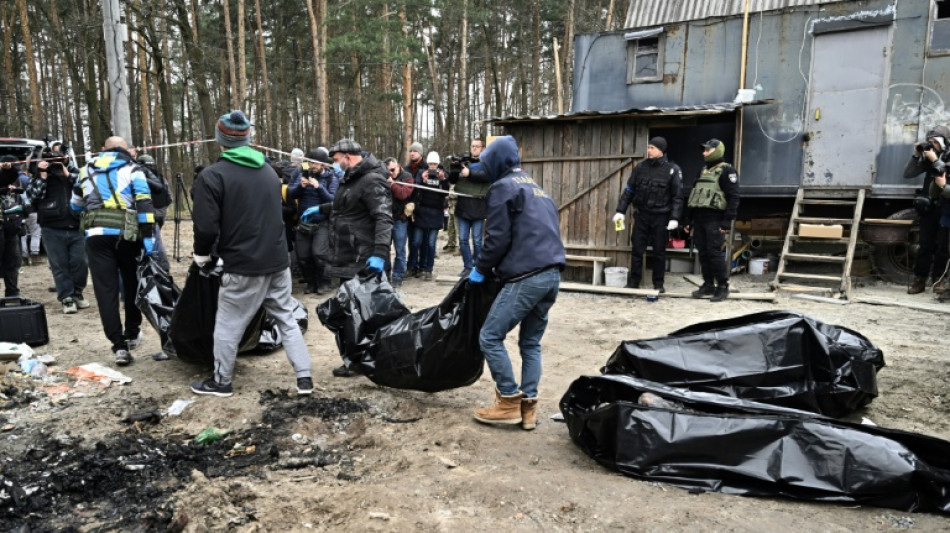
point(115, 34)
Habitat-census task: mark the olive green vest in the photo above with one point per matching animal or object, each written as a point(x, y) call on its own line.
point(706, 192)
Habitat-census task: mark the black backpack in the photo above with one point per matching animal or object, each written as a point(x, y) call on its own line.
point(158, 188)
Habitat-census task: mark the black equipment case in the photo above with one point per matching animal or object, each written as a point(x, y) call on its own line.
point(23, 320)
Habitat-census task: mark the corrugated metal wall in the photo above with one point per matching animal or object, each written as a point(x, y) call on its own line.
point(645, 13)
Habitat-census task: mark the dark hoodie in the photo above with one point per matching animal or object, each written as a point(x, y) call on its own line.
point(237, 203)
point(522, 233)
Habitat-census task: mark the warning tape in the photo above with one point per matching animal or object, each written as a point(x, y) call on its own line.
point(89, 155)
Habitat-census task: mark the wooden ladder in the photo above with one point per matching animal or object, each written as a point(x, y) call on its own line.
point(840, 206)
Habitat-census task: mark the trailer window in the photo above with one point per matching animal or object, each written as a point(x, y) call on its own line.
point(643, 60)
point(940, 29)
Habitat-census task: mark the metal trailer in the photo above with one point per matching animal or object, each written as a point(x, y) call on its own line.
point(835, 95)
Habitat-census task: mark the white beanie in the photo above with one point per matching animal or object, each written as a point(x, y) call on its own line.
point(433, 157)
point(296, 155)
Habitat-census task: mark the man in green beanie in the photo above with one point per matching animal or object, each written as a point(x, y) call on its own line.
point(712, 207)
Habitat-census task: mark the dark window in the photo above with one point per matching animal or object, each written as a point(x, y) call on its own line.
point(940, 30)
point(644, 60)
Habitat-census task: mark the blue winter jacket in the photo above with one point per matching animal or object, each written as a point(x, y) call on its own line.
point(522, 233)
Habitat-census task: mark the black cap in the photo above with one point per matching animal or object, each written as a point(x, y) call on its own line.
point(320, 154)
point(659, 143)
point(711, 143)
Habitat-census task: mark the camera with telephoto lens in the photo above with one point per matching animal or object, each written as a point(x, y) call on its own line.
point(922, 147)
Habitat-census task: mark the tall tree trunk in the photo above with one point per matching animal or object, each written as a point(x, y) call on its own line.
point(315, 43)
point(436, 95)
point(9, 87)
point(37, 117)
point(464, 115)
point(407, 115)
point(189, 27)
point(536, 59)
point(323, 93)
point(568, 52)
point(265, 80)
point(242, 57)
point(232, 70)
point(142, 61)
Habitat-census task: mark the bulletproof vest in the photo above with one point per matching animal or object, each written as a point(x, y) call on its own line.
point(653, 189)
point(706, 192)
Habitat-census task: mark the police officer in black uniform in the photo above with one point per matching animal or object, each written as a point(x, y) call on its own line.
point(712, 207)
point(655, 189)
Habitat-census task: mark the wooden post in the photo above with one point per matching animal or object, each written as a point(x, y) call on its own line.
point(557, 77)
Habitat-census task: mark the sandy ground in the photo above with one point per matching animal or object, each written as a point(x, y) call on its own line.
point(444, 471)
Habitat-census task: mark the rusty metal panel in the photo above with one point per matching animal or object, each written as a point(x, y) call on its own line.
point(643, 13)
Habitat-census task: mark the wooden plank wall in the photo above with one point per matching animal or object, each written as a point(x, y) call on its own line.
point(570, 161)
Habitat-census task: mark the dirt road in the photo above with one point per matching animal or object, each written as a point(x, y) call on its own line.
point(358, 457)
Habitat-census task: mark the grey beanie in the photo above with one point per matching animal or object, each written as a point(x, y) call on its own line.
point(416, 147)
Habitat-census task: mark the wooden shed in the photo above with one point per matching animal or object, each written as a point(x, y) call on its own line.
point(583, 160)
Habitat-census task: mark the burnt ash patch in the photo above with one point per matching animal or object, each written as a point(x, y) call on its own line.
point(127, 480)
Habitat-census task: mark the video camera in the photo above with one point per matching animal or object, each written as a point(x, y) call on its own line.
point(455, 162)
point(922, 147)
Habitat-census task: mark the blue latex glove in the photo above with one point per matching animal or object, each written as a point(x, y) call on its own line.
point(475, 276)
point(149, 244)
point(375, 264)
point(309, 213)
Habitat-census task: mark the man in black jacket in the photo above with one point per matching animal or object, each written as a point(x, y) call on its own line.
point(655, 189)
point(930, 158)
point(50, 191)
point(11, 225)
point(361, 218)
point(237, 217)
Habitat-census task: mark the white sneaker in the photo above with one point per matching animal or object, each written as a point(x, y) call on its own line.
point(81, 302)
point(69, 306)
point(134, 343)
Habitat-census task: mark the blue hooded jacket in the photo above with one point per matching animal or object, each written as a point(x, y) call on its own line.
point(522, 233)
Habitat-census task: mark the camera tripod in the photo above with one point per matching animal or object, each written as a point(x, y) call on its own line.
point(181, 198)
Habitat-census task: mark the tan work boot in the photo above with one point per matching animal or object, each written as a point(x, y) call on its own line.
point(505, 410)
point(917, 286)
point(529, 413)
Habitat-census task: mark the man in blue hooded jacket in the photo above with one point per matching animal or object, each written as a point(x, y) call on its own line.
point(523, 247)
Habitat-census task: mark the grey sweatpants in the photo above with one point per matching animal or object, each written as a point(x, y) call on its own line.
point(238, 300)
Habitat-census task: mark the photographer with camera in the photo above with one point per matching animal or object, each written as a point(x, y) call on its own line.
point(316, 184)
point(469, 177)
point(930, 158)
point(11, 220)
point(50, 191)
point(161, 199)
point(428, 214)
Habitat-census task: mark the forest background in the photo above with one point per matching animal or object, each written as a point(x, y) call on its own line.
point(307, 72)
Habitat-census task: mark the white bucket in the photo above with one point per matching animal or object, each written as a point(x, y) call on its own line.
point(615, 276)
point(759, 266)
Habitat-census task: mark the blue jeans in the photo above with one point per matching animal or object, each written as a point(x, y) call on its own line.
point(474, 227)
point(526, 302)
point(425, 241)
point(66, 251)
point(400, 236)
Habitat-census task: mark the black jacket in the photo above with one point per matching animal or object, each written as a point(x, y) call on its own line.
point(473, 206)
point(50, 198)
point(522, 233)
point(430, 205)
point(656, 187)
point(361, 219)
point(239, 207)
point(919, 164)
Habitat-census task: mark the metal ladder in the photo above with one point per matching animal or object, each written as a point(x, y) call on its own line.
point(839, 202)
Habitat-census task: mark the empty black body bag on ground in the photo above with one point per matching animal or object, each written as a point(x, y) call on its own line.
point(705, 441)
point(156, 298)
point(777, 357)
point(192, 327)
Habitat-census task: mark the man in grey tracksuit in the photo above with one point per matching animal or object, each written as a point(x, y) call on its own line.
point(237, 217)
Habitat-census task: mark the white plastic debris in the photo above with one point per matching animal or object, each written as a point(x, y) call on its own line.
point(11, 351)
point(178, 407)
point(104, 371)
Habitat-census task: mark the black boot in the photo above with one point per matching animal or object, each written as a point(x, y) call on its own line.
point(706, 289)
point(722, 292)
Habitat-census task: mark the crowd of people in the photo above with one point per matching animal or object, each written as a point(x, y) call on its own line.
point(334, 213)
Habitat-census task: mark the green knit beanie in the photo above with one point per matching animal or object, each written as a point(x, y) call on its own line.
point(719, 151)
